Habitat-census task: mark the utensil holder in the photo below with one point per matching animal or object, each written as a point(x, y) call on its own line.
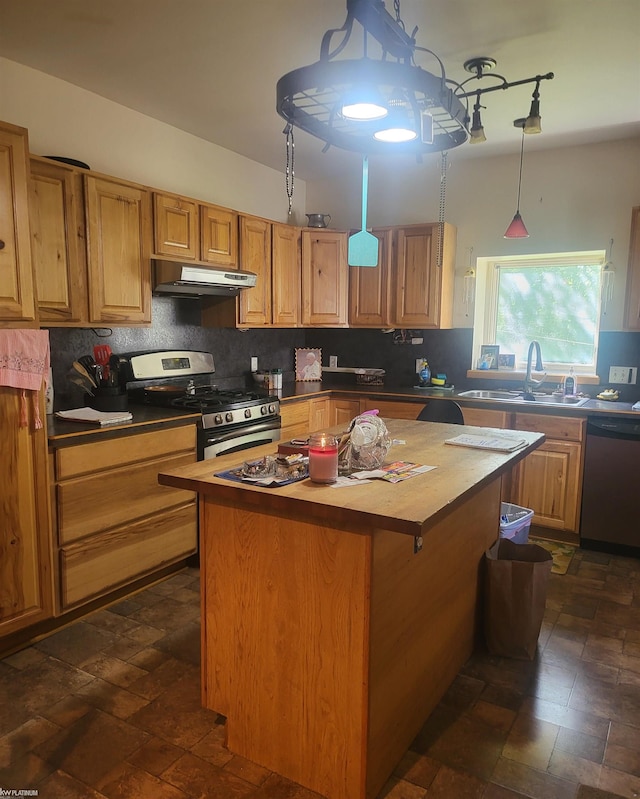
point(107, 398)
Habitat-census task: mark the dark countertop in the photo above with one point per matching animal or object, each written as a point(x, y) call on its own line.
point(295, 391)
point(147, 417)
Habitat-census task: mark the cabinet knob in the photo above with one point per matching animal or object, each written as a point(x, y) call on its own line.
point(1, 244)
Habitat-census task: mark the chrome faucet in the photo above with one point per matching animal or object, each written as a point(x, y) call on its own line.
point(529, 382)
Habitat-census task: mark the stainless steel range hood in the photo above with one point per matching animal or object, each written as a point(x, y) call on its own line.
point(174, 279)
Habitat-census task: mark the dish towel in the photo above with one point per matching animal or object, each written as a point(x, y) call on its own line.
point(24, 364)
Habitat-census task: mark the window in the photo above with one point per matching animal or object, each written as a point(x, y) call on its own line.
point(555, 299)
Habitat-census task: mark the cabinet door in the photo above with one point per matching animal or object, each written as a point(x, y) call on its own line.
point(17, 301)
point(632, 307)
point(548, 481)
point(26, 583)
point(255, 256)
point(423, 290)
point(58, 244)
point(285, 275)
point(118, 249)
point(324, 279)
point(343, 411)
point(370, 288)
point(175, 226)
point(319, 414)
point(219, 236)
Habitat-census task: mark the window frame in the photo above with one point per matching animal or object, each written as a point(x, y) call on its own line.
point(486, 300)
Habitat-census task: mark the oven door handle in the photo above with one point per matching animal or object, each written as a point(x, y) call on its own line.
point(233, 442)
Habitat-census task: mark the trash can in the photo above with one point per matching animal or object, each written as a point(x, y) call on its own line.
point(515, 522)
point(516, 577)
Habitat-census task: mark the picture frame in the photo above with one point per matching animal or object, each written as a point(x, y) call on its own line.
point(506, 361)
point(489, 354)
point(308, 364)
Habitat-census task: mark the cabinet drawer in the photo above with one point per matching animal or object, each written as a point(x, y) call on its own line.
point(393, 410)
point(561, 428)
point(102, 563)
point(90, 458)
point(480, 417)
point(99, 502)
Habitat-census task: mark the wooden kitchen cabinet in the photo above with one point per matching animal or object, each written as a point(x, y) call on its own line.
point(407, 289)
point(118, 218)
point(285, 275)
point(325, 279)
point(187, 230)
point(344, 410)
point(549, 480)
point(423, 290)
point(391, 409)
point(370, 288)
point(58, 244)
point(294, 419)
point(632, 306)
point(26, 567)
point(320, 414)
point(254, 304)
point(17, 297)
point(479, 417)
point(115, 523)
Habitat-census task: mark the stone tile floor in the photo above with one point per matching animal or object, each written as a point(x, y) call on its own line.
point(110, 707)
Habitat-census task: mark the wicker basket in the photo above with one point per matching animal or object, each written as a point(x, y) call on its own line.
point(370, 377)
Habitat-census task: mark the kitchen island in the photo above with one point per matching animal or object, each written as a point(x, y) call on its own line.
point(334, 619)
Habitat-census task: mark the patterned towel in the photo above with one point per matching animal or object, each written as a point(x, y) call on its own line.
point(24, 364)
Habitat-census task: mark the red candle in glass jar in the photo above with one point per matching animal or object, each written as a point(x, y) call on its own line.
point(323, 458)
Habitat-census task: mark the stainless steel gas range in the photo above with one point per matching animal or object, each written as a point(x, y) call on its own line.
point(231, 420)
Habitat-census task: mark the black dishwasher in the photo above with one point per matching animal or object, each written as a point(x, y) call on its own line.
point(610, 518)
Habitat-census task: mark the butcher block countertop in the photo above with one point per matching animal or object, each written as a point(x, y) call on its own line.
point(409, 507)
point(334, 619)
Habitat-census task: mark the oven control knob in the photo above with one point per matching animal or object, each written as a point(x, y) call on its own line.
point(229, 417)
point(263, 409)
point(247, 413)
point(272, 408)
point(218, 418)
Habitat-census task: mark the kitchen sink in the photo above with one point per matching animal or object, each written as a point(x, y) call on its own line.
point(516, 397)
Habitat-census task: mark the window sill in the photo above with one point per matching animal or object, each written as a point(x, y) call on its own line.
point(507, 374)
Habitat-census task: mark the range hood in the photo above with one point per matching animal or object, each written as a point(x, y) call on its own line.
point(174, 279)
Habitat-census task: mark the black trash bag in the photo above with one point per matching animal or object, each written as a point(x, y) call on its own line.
point(516, 577)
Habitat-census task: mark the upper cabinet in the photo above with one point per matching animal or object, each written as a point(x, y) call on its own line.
point(271, 251)
point(58, 243)
point(186, 230)
point(632, 307)
point(325, 278)
point(408, 288)
point(255, 256)
point(423, 288)
point(17, 298)
point(118, 216)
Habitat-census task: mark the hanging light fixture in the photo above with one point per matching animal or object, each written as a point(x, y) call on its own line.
point(476, 133)
point(517, 229)
point(533, 123)
point(339, 100)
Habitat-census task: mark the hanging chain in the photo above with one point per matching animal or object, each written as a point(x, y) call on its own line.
point(290, 172)
point(443, 197)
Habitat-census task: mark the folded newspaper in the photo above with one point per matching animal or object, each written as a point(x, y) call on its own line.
point(91, 416)
point(495, 443)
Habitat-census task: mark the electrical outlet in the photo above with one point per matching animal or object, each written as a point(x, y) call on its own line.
point(417, 340)
point(333, 361)
point(254, 363)
point(623, 374)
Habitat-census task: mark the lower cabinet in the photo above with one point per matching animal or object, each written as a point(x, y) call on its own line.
point(344, 410)
point(549, 480)
point(114, 522)
point(392, 410)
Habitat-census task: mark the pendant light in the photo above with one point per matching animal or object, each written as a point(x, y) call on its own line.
point(517, 229)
